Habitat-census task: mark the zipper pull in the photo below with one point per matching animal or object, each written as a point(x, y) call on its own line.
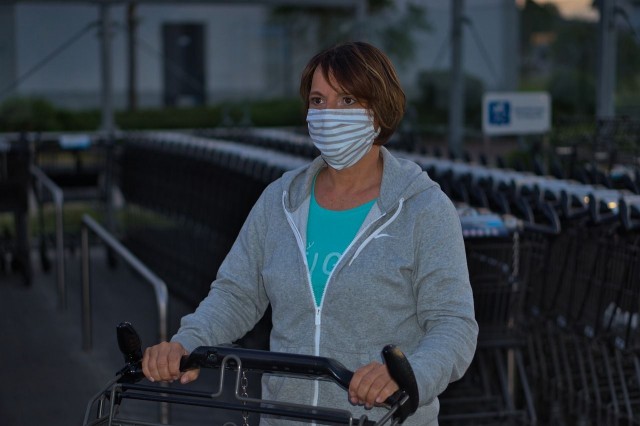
point(317, 316)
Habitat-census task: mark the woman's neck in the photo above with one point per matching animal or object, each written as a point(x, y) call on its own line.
point(353, 186)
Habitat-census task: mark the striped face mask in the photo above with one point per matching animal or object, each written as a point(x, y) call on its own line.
point(343, 136)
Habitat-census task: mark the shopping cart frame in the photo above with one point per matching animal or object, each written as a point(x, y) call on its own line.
point(103, 408)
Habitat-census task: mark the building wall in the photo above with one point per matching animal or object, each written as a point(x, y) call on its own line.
point(7, 48)
point(71, 77)
point(235, 65)
point(234, 47)
point(490, 42)
point(247, 56)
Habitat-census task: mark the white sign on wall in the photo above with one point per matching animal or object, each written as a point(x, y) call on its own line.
point(516, 113)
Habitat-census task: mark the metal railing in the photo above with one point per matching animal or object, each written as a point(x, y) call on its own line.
point(42, 180)
point(159, 286)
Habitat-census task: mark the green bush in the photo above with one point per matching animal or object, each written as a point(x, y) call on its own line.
point(28, 115)
point(86, 120)
point(32, 114)
point(168, 118)
point(278, 112)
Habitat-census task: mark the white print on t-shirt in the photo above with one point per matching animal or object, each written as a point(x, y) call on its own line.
point(330, 259)
point(328, 264)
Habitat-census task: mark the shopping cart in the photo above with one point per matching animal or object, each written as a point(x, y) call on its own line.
point(496, 388)
point(583, 315)
point(104, 408)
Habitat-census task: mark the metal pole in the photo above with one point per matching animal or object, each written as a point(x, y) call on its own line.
point(132, 27)
point(105, 56)
point(60, 270)
point(607, 53)
point(362, 10)
point(511, 45)
point(86, 292)
point(108, 126)
point(456, 96)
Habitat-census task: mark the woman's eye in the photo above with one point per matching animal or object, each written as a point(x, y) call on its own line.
point(349, 101)
point(315, 101)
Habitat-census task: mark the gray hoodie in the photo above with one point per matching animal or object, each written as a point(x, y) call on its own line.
point(403, 280)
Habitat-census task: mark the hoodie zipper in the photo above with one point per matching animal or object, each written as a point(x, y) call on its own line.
point(318, 309)
point(296, 233)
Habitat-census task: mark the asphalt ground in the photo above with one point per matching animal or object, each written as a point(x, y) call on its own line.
point(46, 376)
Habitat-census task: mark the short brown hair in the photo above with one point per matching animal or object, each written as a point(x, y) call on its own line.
point(364, 71)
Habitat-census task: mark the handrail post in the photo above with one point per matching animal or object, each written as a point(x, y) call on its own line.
point(87, 335)
point(60, 268)
point(58, 199)
point(159, 287)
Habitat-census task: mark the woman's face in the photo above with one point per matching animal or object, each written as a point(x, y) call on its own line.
point(324, 96)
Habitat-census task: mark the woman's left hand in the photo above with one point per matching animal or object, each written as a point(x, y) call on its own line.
point(371, 385)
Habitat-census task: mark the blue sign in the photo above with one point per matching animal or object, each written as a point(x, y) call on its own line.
point(516, 113)
point(499, 113)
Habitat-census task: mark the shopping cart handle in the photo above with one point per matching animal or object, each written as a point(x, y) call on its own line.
point(267, 362)
point(405, 400)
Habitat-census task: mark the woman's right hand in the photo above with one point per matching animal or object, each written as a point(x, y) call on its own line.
point(161, 363)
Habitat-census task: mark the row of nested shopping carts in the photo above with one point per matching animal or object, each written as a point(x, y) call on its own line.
point(558, 302)
point(583, 307)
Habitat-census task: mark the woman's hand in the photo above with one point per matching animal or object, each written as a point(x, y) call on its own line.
point(162, 363)
point(371, 385)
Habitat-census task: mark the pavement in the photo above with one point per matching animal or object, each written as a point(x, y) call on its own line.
point(47, 378)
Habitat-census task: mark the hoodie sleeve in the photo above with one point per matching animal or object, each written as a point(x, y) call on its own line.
point(445, 306)
point(236, 299)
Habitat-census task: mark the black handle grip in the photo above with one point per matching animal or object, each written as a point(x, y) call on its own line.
point(401, 371)
point(129, 342)
point(130, 346)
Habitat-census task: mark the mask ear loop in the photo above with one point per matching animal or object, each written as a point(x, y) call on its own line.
point(376, 126)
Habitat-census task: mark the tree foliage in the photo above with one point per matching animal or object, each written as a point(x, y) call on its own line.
point(568, 65)
point(386, 25)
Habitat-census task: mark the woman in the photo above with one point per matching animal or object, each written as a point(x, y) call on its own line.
point(354, 251)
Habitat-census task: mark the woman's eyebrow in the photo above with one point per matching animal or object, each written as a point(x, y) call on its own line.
point(345, 93)
point(339, 94)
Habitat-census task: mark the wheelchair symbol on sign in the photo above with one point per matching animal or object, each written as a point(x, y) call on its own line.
point(499, 113)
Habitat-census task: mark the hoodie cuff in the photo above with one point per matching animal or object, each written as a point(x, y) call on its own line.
point(186, 342)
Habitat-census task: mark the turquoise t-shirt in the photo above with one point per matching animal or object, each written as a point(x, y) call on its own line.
point(329, 233)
